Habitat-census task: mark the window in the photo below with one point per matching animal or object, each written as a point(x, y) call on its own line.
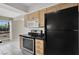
point(4, 25)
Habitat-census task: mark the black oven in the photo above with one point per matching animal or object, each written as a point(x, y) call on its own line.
point(28, 44)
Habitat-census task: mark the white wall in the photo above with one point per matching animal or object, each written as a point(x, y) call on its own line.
point(18, 27)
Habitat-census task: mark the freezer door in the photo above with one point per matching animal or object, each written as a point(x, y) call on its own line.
point(69, 18)
point(63, 20)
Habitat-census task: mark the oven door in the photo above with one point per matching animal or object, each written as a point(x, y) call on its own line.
point(28, 44)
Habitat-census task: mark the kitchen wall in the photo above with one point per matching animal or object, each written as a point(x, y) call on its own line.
point(19, 28)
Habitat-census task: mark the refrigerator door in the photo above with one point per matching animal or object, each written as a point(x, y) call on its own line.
point(69, 18)
point(62, 42)
point(62, 32)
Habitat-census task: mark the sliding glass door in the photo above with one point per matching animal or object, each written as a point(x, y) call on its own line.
point(4, 30)
point(4, 26)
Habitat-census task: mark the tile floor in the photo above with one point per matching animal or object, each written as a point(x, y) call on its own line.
point(11, 48)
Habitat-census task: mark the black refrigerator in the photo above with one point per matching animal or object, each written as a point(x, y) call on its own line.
point(61, 32)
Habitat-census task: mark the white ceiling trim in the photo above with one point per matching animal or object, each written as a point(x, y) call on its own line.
point(8, 11)
point(10, 8)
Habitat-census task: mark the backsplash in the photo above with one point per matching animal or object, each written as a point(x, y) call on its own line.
point(29, 29)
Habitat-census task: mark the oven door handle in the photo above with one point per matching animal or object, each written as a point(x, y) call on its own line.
point(28, 38)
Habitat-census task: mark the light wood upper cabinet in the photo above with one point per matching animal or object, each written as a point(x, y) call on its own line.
point(34, 15)
point(65, 5)
point(51, 9)
point(60, 7)
point(42, 17)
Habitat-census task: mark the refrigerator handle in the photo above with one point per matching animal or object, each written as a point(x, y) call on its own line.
point(75, 30)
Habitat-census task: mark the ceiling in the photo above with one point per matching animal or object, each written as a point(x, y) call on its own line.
point(27, 7)
point(8, 11)
point(14, 10)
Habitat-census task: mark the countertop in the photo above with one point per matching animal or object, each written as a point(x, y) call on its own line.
point(33, 37)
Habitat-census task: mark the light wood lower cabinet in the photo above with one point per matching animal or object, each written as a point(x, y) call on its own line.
point(39, 47)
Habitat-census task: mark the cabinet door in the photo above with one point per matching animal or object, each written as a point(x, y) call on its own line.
point(60, 7)
point(65, 5)
point(51, 9)
point(34, 15)
point(39, 47)
point(42, 17)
